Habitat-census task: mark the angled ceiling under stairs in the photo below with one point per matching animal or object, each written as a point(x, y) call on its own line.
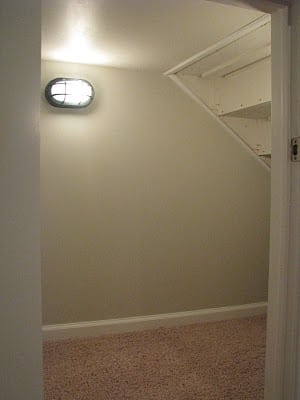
point(232, 81)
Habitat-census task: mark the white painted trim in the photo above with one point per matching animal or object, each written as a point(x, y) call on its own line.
point(276, 375)
point(292, 360)
point(238, 63)
point(118, 325)
point(183, 87)
point(245, 30)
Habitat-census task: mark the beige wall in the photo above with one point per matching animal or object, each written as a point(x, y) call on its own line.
point(148, 206)
point(20, 277)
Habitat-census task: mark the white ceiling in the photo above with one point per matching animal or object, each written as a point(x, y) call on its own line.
point(140, 34)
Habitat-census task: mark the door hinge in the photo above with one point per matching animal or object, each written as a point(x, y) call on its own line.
point(295, 149)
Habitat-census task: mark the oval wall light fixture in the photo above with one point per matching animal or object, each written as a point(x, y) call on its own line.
point(69, 93)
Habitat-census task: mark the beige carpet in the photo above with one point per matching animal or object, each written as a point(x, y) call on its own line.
point(211, 361)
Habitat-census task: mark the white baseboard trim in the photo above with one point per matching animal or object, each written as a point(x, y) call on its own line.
point(119, 325)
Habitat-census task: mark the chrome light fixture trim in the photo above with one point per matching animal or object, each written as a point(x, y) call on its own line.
point(69, 93)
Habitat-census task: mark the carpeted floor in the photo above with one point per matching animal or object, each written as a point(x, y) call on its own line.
point(211, 361)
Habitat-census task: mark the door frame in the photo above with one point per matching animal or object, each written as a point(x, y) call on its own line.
point(281, 358)
point(282, 351)
point(280, 371)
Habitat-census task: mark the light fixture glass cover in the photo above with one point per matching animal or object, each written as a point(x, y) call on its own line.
point(69, 93)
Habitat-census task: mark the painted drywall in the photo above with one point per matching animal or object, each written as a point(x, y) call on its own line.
point(149, 35)
point(20, 280)
point(148, 206)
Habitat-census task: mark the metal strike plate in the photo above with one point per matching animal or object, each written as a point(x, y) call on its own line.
point(295, 149)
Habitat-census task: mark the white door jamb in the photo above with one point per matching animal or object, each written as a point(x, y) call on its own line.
point(278, 369)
